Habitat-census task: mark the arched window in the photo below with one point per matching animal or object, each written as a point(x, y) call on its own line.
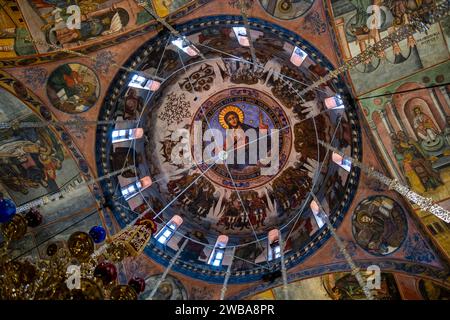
point(298, 56)
point(122, 135)
point(317, 214)
point(132, 189)
point(344, 163)
point(273, 248)
point(185, 45)
point(140, 82)
point(241, 35)
point(218, 252)
point(166, 232)
point(334, 102)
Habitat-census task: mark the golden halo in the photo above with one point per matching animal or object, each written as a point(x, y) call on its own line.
point(227, 109)
point(360, 215)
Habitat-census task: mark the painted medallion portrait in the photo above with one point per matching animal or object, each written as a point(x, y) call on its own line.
point(73, 88)
point(170, 289)
point(379, 225)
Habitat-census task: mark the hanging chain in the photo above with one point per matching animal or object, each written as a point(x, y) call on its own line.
point(243, 5)
point(355, 270)
point(46, 199)
point(172, 30)
point(78, 123)
point(417, 23)
point(425, 204)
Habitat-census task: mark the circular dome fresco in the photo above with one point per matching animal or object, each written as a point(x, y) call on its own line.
point(379, 225)
point(231, 147)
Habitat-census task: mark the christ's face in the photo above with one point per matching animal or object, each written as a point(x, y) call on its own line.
point(232, 120)
point(417, 111)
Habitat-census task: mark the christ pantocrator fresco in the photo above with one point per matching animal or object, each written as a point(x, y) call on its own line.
point(231, 118)
point(234, 196)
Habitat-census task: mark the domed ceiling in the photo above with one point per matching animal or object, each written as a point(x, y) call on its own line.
point(242, 200)
point(226, 146)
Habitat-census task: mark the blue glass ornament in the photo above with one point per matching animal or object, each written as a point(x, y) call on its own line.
point(7, 210)
point(98, 234)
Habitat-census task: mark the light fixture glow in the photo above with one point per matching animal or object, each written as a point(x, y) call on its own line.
point(121, 135)
point(166, 233)
point(140, 82)
point(187, 48)
point(241, 35)
point(334, 102)
point(298, 56)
